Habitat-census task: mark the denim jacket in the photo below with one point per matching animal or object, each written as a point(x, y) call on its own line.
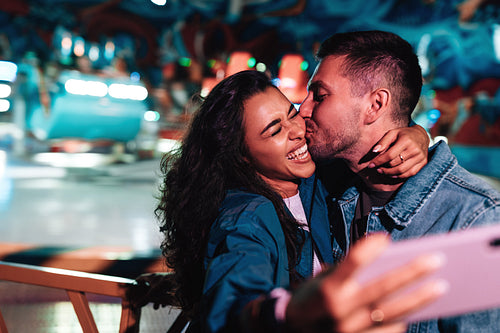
point(442, 197)
point(246, 256)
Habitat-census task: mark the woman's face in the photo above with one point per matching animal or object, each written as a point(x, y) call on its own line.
point(274, 135)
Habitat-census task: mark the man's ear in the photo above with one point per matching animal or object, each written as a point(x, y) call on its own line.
point(379, 100)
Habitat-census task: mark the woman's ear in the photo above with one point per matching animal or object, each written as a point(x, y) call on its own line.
point(379, 100)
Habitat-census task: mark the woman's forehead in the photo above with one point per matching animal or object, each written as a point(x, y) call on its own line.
point(270, 100)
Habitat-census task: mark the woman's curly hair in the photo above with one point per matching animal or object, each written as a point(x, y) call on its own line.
point(196, 177)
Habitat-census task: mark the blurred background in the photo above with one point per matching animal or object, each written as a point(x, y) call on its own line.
point(93, 92)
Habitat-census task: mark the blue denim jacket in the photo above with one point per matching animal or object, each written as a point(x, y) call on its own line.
point(246, 256)
point(442, 197)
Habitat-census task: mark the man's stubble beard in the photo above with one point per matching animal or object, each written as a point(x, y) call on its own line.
point(334, 145)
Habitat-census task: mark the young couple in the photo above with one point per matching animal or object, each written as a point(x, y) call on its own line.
point(246, 219)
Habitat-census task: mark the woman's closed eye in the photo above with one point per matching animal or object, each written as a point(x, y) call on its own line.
point(277, 131)
point(275, 126)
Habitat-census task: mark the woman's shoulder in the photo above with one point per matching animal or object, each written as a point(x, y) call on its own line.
point(240, 200)
point(244, 208)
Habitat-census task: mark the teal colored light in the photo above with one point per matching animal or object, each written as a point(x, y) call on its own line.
point(185, 62)
point(251, 62)
point(304, 65)
point(151, 116)
point(434, 114)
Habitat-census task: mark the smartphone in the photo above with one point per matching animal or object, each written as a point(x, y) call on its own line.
point(471, 269)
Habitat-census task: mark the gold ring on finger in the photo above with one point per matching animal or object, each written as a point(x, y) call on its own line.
point(377, 316)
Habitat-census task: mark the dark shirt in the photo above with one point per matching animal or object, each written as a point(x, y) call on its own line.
point(368, 198)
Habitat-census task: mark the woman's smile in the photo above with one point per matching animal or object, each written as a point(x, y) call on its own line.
point(299, 154)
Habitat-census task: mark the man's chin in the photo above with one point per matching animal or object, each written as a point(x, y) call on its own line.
point(320, 155)
point(315, 154)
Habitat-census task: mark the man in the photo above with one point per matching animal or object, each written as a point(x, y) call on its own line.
point(365, 84)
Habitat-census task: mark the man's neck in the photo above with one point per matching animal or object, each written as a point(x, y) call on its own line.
point(360, 157)
point(372, 178)
point(379, 182)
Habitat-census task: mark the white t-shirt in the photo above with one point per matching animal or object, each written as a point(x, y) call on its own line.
point(281, 295)
point(295, 206)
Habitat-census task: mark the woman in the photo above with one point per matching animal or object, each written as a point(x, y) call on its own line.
point(229, 237)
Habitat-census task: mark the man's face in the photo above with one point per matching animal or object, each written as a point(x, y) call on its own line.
point(332, 114)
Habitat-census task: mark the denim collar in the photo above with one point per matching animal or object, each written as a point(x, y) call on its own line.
point(418, 189)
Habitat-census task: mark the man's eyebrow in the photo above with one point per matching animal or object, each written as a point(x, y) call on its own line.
point(271, 124)
point(315, 85)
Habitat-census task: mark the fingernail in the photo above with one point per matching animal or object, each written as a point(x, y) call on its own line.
point(395, 177)
point(377, 148)
point(371, 165)
point(435, 260)
point(380, 171)
point(441, 286)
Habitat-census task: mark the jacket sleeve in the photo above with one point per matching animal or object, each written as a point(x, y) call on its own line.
point(246, 259)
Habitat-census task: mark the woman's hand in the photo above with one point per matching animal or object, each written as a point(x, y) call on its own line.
point(402, 152)
point(336, 302)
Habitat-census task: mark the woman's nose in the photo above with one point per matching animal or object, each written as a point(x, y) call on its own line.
point(297, 128)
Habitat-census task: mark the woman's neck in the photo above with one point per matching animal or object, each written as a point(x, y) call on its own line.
point(288, 191)
point(286, 188)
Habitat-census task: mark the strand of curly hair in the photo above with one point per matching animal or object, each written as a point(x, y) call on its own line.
point(196, 177)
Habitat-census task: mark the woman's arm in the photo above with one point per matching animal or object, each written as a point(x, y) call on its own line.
point(246, 258)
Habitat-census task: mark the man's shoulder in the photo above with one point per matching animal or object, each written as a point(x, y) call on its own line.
point(462, 178)
point(458, 177)
point(444, 195)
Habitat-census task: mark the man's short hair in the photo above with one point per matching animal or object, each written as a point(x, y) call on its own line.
point(375, 59)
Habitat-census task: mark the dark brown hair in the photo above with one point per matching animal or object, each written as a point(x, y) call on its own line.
point(211, 160)
point(377, 58)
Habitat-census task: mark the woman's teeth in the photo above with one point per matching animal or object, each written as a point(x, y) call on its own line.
point(299, 154)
